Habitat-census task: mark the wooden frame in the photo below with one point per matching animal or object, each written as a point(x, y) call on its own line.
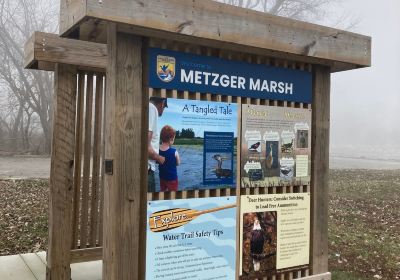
point(126, 188)
point(62, 159)
point(44, 50)
point(222, 26)
point(91, 212)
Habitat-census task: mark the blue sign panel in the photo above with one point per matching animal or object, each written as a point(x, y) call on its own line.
point(218, 149)
point(205, 74)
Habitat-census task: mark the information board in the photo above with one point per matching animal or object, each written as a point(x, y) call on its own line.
point(195, 238)
point(205, 140)
point(274, 233)
point(191, 239)
point(276, 146)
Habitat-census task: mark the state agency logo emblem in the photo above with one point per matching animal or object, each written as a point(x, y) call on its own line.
point(165, 68)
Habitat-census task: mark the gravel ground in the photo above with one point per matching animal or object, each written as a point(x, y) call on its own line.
point(364, 215)
point(23, 216)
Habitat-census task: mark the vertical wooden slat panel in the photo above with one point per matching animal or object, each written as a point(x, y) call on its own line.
point(238, 182)
point(78, 159)
point(102, 182)
point(86, 163)
point(61, 174)
point(141, 92)
point(94, 206)
point(320, 169)
point(126, 144)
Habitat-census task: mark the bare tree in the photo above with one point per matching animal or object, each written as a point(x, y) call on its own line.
point(29, 93)
point(306, 10)
point(296, 9)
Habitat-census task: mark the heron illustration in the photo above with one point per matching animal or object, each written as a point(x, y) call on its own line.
point(270, 158)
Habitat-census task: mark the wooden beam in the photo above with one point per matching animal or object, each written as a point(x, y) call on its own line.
point(71, 13)
point(44, 50)
point(335, 66)
point(126, 145)
point(61, 190)
point(218, 25)
point(320, 169)
point(94, 30)
point(86, 255)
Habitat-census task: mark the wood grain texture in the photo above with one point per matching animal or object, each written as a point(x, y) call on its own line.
point(61, 174)
point(29, 52)
point(124, 145)
point(71, 13)
point(218, 25)
point(86, 255)
point(320, 169)
point(51, 49)
point(144, 107)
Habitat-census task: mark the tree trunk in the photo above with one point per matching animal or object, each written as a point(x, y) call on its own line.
point(13, 139)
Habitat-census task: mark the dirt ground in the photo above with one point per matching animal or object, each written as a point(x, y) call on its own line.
point(23, 216)
point(364, 228)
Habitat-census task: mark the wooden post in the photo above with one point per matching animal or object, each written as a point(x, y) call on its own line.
point(61, 179)
point(126, 146)
point(320, 169)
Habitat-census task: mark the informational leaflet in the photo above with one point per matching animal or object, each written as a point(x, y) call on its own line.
point(276, 146)
point(274, 233)
point(203, 135)
point(191, 239)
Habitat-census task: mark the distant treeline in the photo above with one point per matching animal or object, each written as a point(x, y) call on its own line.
point(187, 133)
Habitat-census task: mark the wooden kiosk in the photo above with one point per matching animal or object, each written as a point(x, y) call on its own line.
point(98, 180)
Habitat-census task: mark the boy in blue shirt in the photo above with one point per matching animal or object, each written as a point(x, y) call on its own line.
point(168, 171)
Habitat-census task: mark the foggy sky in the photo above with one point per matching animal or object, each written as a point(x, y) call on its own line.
point(365, 103)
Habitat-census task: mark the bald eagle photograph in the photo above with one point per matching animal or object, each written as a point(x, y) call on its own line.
point(259, 244)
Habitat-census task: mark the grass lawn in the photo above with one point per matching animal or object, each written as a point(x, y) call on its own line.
point(364, 228)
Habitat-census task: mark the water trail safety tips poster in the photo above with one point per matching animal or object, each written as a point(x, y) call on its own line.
point(276, 146)
point(191, 239)
point(205, 140)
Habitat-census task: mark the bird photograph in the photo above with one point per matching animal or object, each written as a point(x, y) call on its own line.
point(302, 139)
point(219, 171)
point(287, 147)
point(259, 243)
point(286, 172)
point(271, 160)
point(255, 146)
